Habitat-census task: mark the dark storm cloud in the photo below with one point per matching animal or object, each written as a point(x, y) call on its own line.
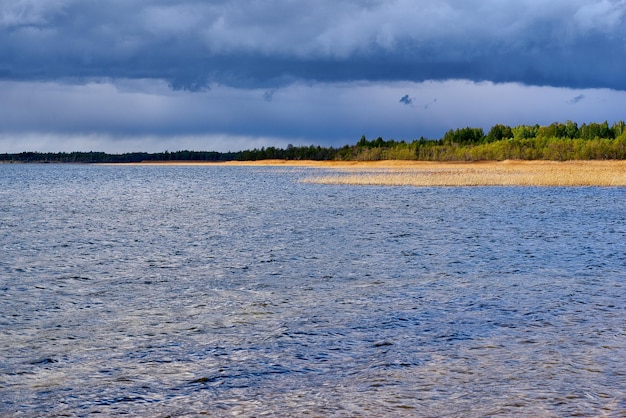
point(406, 100)
point(429, 104)
point(193, 44)
point(268, 95)
point(577, 99)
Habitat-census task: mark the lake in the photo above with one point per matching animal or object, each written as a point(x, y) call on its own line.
point(220, 291)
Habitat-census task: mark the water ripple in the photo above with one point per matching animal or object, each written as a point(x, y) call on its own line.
point(185, 291)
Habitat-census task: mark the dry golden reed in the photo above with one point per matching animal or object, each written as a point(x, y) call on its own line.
point(484, 173)
point(505, 173)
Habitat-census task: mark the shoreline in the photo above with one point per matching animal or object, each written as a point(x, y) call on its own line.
point(604, 173)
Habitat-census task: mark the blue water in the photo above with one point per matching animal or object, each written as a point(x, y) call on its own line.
point(220, 291)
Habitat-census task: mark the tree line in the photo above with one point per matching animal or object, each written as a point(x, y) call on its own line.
point(104, 158)
point(558, 141)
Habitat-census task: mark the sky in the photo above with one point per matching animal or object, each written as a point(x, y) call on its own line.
point(226, 75)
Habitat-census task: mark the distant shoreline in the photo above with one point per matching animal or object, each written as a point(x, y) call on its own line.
point(609, 173)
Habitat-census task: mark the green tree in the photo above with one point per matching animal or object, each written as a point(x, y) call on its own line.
point(571, 129)
point(499, 132)
point(464, 136)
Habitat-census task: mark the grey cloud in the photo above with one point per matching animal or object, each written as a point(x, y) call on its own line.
point(268, 95)
point(126, 112)
point(429, 104)
point(406, 100)
point(577, 99)
point(193, 44)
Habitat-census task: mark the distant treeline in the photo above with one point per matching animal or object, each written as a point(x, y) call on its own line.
point(104, 158)
point(558, 141)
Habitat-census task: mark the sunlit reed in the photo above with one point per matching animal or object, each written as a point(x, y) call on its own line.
point(425, 173)
point(507, 173)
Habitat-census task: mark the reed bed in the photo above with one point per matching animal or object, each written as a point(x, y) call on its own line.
point(606, 173)
point(506, 173)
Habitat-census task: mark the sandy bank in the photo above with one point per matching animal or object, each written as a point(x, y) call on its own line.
point(424, 173)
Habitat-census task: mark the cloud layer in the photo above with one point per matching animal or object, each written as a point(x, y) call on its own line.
point(148, 116)
point(150, 75)
point(193, 44)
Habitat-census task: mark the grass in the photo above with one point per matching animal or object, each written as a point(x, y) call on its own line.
point(484, 173)
point(506, 173)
